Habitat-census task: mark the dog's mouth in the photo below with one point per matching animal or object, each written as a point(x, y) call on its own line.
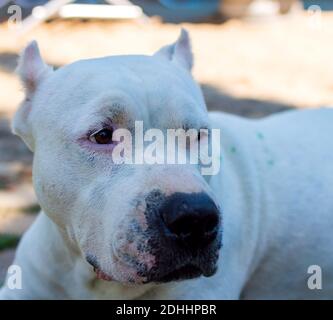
point(183, 273)
point(186, 272)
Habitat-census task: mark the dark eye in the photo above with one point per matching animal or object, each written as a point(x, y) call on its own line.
point(103, 136)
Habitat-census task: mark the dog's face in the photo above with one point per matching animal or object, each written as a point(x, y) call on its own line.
point(133, 223)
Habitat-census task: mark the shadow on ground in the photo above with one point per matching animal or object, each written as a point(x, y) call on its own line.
point(218, 100)
point(8, 62)
point(12, 148)
point(15, 163)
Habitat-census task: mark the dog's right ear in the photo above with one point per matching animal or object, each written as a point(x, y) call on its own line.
point(32, 70)
point(179, 52)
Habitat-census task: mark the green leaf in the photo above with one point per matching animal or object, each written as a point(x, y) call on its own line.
point(8, 241)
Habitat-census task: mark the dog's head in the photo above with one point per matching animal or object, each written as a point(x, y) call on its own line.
point(134, 223)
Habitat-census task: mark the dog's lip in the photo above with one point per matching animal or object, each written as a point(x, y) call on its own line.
point(188, 271)
point(102, 275)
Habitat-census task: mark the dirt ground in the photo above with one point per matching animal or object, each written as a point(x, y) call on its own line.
point(251, 68)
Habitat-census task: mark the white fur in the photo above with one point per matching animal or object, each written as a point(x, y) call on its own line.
point(275, 184)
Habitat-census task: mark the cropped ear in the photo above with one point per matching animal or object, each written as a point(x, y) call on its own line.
point(179, 52)
point(32, 70)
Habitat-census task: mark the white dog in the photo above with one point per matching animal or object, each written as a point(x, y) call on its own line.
point(110, 231)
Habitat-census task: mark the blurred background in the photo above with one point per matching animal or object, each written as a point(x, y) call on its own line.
point(252, 58)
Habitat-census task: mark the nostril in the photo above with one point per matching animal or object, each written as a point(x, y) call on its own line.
point(184, 226)
point(198, 225)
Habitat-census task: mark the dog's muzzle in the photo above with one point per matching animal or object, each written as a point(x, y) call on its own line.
point(180, 240)
point(185, 235)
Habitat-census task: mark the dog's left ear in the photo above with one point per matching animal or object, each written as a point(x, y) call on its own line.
point(32, 71)
point(179, 52)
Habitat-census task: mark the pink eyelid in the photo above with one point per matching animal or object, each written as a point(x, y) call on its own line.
point(91, 146)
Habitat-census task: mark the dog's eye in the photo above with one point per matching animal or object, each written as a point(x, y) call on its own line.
point(103, 136)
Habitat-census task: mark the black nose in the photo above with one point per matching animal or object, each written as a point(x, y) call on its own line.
point(192, 218)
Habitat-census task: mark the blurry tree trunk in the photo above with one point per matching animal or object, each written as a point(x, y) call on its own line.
point(288, 5)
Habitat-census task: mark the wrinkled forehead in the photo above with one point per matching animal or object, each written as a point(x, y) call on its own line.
point(138, 87)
